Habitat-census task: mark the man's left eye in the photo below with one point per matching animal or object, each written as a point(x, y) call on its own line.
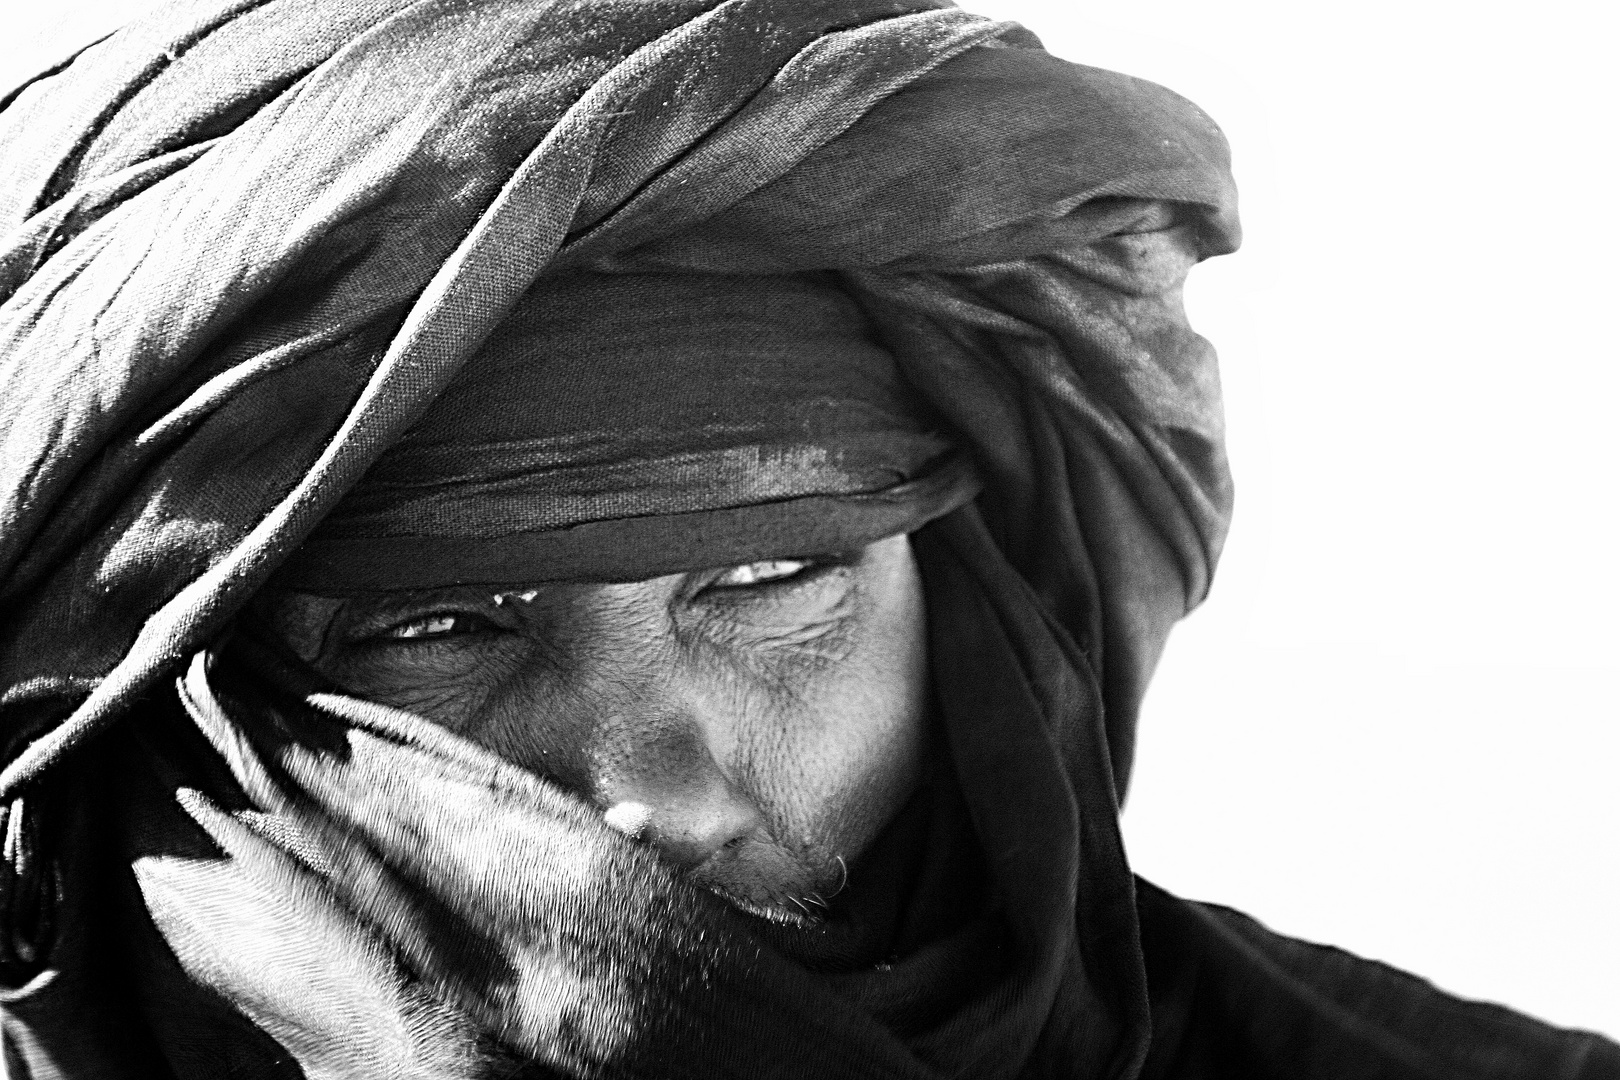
point(438, 625)
point(760, 573)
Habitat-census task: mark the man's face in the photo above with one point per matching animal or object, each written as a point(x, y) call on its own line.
point(759, 724)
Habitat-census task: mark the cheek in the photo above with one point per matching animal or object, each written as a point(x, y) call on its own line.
point(505, 698)
point(839, 743)
point(541, 721)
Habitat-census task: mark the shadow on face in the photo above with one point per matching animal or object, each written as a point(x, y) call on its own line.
point(758, 724)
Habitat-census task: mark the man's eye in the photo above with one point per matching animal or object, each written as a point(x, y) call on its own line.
point(439, 625)
point(760, 573)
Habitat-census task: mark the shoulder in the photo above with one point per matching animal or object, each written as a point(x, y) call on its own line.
point(1230, 998)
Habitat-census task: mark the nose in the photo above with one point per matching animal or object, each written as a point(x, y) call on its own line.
point(664, 787)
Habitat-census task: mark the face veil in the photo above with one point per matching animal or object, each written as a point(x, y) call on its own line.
point(252, 250)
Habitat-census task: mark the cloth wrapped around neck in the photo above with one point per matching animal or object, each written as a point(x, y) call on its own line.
point(619, 427)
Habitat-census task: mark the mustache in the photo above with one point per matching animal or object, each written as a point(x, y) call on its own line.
point(787, 882)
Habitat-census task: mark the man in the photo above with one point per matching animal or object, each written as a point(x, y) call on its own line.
point(619, 539)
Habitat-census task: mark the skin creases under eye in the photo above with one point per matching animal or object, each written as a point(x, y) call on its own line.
point(706, 700)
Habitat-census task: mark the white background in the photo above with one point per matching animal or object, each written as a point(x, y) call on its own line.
point(1395, 726)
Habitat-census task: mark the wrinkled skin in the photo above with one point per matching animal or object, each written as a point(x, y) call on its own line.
point(759, 725)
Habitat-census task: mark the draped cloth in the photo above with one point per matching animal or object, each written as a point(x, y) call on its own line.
point(250, 243)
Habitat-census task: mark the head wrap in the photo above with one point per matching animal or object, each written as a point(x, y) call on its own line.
point(220, 307)
point(250, 245)
point(618, 427)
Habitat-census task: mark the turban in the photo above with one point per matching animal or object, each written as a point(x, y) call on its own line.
point(222, 305)
point(265, 264)
point(619, 427)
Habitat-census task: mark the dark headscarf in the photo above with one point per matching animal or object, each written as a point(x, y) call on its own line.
point(249, 245)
